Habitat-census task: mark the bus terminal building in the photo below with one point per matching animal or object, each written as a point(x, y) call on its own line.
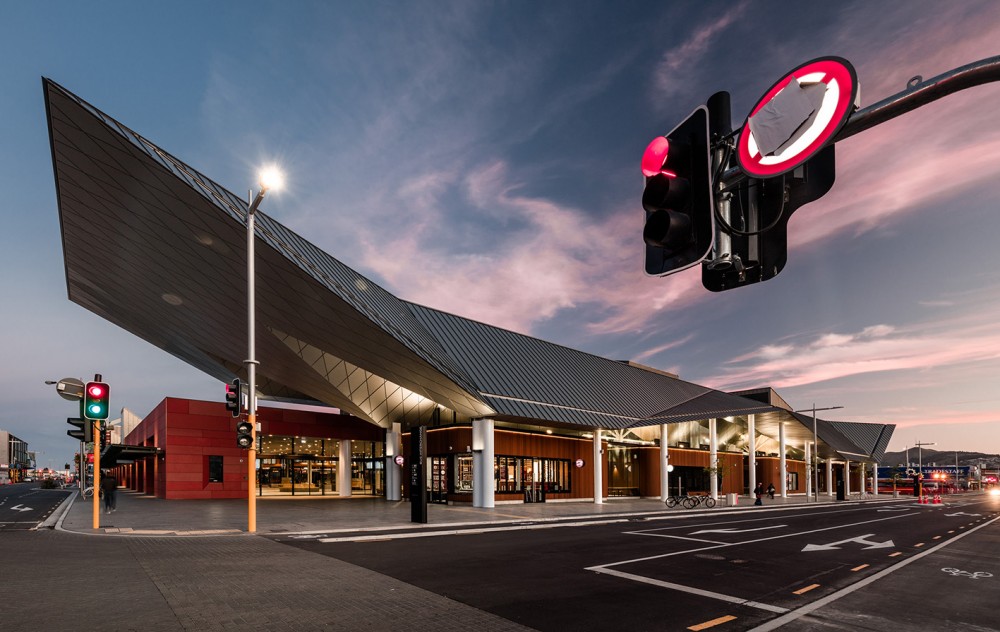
point(509, 417)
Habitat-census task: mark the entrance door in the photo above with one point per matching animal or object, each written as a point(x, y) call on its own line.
point(438, 480)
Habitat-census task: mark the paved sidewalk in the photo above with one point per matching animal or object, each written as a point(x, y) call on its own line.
point(138, 514)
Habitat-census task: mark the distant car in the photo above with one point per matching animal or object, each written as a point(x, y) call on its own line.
point(29, 479)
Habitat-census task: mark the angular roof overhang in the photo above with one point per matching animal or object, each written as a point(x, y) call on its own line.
point(158, 249)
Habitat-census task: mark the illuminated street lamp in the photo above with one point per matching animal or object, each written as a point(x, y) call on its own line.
point(269, 178)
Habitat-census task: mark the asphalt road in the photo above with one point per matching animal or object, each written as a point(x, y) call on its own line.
point(24, 506)
point(792, 567)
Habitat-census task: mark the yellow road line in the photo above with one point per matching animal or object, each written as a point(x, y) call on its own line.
point(937, 537)
point(711, 624)
point(858, 568)
point(805, 590)
point(895, 554)
point(918, 545)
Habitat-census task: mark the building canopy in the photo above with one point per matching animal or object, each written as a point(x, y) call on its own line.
point(171, 268)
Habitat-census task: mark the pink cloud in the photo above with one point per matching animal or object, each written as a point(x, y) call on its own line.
point(874, 350)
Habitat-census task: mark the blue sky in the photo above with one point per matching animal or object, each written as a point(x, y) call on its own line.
point(483, 159)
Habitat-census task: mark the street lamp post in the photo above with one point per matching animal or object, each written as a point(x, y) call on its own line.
point(270, 178)
point(920, 463)
point(815, 456)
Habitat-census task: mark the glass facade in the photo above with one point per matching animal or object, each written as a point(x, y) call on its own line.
point(308, 466)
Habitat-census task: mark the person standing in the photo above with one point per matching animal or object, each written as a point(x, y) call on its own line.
point(770, 490)
point(758, 492)
point(109, 486)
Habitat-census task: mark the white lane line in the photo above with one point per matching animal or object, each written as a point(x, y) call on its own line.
point(692, 590)
point(843, 592)
point(675, 537)
point(773, 537)
point(427, 534)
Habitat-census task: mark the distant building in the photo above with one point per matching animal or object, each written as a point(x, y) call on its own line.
point(14, 458)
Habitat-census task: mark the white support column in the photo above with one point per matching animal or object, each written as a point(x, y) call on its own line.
point(782, 465)
point(598, 468)
point(393, 472)
point(713, 458)
point(483, 493)
point(829, 477)
point(664, 463)
point(344, 469)
point(752, 447)
point(875, 480)
point(847, 479)
point(809, 464)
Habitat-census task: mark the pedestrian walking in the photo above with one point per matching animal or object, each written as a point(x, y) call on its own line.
point(109, 486)
point(758, 492)
point(770, 490)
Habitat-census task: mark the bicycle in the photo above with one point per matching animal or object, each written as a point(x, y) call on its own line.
point(708, 501)
point(89, 493)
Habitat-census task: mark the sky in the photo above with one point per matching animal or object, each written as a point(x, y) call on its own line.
point(482, 158)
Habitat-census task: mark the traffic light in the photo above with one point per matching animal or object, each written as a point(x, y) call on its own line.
point(678, 200)
point(234, 395)
point(96, 400)
point(84, 429)
point(244, 434)
point(754, 222)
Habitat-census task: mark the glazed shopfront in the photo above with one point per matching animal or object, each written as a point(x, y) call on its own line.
point(311, 466)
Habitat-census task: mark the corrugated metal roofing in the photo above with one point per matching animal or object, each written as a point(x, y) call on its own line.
point(871, 438)
point(505, 364)
point(709, 405)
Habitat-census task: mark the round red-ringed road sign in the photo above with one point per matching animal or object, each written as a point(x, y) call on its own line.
point(839, 101)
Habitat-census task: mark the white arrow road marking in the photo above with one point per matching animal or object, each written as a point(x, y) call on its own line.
point(962, 513)
point(777, 526)
point(18, 507)
point(860, 540)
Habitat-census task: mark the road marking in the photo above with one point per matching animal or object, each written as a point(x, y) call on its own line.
point(895, 554)
point(918, 545)
point(774, 624)
point(711, 624)
point(676, 537)
point(802, 591)
point(860, 540)
point(19, 507)
point(690, 589)
point(728, 544)
point(937, 537)
point(858, 568)
point(777, 526)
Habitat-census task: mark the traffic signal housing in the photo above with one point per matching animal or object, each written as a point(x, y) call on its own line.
point(244, 434)
point(678, 200)
point(234, 396)
point(755, 222)
point(96, 400)
point(83, 429)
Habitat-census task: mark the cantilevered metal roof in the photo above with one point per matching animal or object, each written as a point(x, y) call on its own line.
point(158, 248)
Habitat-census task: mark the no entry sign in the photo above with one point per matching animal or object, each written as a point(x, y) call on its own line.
point(797, 117)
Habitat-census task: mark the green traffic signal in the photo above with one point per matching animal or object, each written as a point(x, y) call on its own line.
point(96, 400)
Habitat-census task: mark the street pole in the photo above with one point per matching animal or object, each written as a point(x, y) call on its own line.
point(251, 363)
point(920, 464)
point(269, 178)
point(815, 456)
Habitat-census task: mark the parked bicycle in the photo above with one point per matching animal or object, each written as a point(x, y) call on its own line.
point(690, 502)
point(89, 493)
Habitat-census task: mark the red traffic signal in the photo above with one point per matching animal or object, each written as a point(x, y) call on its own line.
point(96, 400)
point(234, 395)
point(680, 223)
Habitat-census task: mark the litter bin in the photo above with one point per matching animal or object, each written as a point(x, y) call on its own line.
point(732, 499)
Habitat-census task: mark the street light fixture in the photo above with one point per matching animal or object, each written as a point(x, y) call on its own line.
point(815, 459)
point(269, 178)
